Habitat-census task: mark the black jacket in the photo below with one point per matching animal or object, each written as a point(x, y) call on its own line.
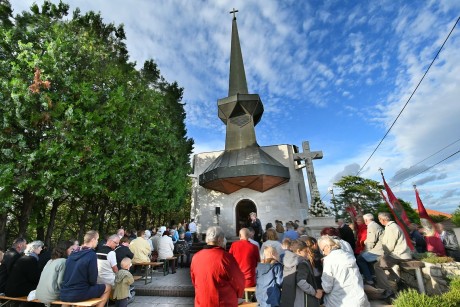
point(123, 251)
point(24, 277)
point(346, 234)
point(9, 259)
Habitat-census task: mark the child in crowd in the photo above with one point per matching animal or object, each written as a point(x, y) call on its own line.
point(299, 284)
point(123, 279)
point(285, 244)
point(269, 275)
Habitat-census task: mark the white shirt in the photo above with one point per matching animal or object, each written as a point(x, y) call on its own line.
point(165, 247)
point(192, 227)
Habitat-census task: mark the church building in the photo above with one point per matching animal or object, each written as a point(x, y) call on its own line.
point(245, 177)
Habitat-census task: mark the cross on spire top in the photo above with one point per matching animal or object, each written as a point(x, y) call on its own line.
point(234, 13)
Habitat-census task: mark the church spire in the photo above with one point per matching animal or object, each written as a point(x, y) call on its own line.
point(237, 82)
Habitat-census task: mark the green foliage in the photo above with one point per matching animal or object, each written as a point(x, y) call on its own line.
point(411, 213)
point(438, 218)
point(362, 193)
point(83, 133)
point(412, 297)
point(456, 217)
point(432, 258)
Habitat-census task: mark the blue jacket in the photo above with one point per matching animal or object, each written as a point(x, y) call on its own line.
point(80, 273)
point(269, 280)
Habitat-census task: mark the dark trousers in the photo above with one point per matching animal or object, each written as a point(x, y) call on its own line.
point(121, 303)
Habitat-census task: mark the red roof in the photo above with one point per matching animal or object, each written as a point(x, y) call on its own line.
point(434, 212)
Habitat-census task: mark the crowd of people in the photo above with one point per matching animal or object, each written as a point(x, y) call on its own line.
point(103, 269)
point(290, 268)
point(285, 265)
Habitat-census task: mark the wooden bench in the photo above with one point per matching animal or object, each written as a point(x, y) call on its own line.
point(87, 303)
point(417, 267)
point(246, 293)
point(148, 269)
point(247, 304)
point(137, 277)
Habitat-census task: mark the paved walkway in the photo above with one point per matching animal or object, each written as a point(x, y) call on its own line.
point(176, 290)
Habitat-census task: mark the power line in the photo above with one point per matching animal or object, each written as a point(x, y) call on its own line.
point(398, 174)
point(428, 168)
point(423, 77)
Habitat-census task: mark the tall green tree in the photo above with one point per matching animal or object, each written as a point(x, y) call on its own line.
point(87, 140)
point(363, 193)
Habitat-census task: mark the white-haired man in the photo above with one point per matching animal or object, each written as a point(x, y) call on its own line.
point(215, 274)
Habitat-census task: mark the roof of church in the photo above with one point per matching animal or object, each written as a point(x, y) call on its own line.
point(243, 164)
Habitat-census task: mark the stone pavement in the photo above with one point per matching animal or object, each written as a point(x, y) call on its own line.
point(176, 290)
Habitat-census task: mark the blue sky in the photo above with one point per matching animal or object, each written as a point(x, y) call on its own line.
point(335, 73)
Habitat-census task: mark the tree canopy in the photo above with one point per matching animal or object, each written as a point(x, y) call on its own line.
point(87, 139)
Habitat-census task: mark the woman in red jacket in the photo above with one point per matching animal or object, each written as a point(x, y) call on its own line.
point(215, 274)
point(361, 234)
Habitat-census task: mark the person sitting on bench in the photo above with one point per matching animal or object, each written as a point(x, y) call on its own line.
point(9, 258)
point(80, 276)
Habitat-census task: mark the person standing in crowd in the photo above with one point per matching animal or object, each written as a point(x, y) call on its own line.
point(215, 274)
point(80, 275)
point(299, 284)
point(346, 233)
point(49, 286)
point(341, 280)
point(121, 233)
point(247, 256)
point(417, 238)
point(269, 278)
point(335, 235)
point(290, 232)
point(272, 240)
point(25, 273)
point(449, 241)
point(9, 258)
point(255, 224)
point(123, 280)
point(192, 228)
point(251, 238)
point(361, 234)
point(279, 230)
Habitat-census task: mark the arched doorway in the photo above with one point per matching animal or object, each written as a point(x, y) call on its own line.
point(242, 210)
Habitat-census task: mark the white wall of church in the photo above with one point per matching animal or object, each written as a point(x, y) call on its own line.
point(285, 202)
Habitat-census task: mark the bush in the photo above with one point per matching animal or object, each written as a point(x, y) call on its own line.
point(432, 258)
point(411, 297)
point(456, 217)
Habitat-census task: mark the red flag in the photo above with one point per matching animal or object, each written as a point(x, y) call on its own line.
point(401, 225)
point(433, 241)
point(397, 207)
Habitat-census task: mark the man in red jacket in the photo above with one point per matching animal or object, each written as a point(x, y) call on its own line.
point(215, 274)
point(247, 256)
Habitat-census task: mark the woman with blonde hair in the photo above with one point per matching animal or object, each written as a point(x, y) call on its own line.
point(269, 277)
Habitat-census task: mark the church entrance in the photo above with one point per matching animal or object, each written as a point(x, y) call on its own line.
point(242, 210)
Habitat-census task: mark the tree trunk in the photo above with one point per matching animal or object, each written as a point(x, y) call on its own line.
point(40, 216)
point(52, 221)
point(128, 216)
point(28, 201)
point(3, 219)
point(143, 217)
